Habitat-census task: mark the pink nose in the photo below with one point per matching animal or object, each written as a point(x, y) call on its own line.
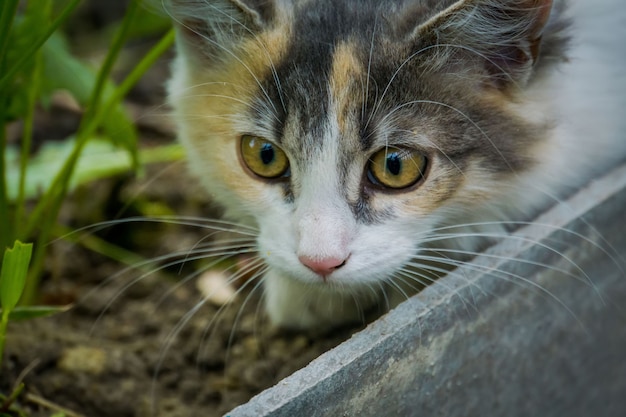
point(324, 266)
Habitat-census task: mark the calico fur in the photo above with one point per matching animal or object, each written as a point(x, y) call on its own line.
point(514, 104)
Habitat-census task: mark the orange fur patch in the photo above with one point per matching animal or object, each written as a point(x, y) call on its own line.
point(221, 94)
point(346, 76)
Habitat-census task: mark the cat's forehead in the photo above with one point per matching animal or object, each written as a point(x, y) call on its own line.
point(346, 63)
point(344, 74)
point(328, 19)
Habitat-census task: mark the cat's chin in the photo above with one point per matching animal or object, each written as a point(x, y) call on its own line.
point(297, 305)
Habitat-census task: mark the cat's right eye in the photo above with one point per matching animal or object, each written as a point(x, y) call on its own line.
point(263, 158)
point(396, 168)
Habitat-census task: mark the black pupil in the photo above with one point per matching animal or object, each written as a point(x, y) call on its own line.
point(394, 164)
point(267, 153)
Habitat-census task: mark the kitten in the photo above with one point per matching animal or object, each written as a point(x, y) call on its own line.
point(374, 145)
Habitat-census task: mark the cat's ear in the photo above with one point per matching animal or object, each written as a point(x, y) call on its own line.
point(213, 27)
point(503, 37)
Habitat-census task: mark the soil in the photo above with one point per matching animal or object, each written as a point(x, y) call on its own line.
point(135, 343)
point(134, 352)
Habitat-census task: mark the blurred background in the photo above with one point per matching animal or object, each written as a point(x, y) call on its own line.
point(105, 317)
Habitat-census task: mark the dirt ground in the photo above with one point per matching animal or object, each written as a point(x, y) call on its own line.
point(135, 352)
point(138, 344)
point(143, 343)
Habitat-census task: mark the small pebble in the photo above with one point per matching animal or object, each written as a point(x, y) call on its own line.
point(83, 359)
point(216, 288)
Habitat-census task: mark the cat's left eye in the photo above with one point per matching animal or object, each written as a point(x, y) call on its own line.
point(396, 168)
point(263, 158)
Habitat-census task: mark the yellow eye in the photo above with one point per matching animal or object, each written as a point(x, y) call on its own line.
point(396, 168)
point(263, 157)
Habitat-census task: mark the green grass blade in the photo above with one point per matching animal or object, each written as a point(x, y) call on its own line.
point(97, 96)
point(35, 312)
point(64, 71)
point(10, 73)
point(40, 15)
point(159, 49)
point(6, 225)
point(90, 122)
point(46, 211)
point(13, 275)
point(111, 57)
point(101, 246)
point(51, 202)
point(43, 208)
point(8, 8)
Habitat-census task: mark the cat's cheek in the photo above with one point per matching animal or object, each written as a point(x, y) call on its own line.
point(379, 253)
point(216, 162)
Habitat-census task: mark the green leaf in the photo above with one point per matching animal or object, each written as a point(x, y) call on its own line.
point(33, 312)
point(8, 9)
point(27, 53)
point(14, 272)
point(62, 70)
point(100, 159)
point(27, 27)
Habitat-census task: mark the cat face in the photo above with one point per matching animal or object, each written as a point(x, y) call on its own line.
point(347, 134)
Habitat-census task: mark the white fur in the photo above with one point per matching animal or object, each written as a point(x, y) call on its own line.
point(587, 97)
